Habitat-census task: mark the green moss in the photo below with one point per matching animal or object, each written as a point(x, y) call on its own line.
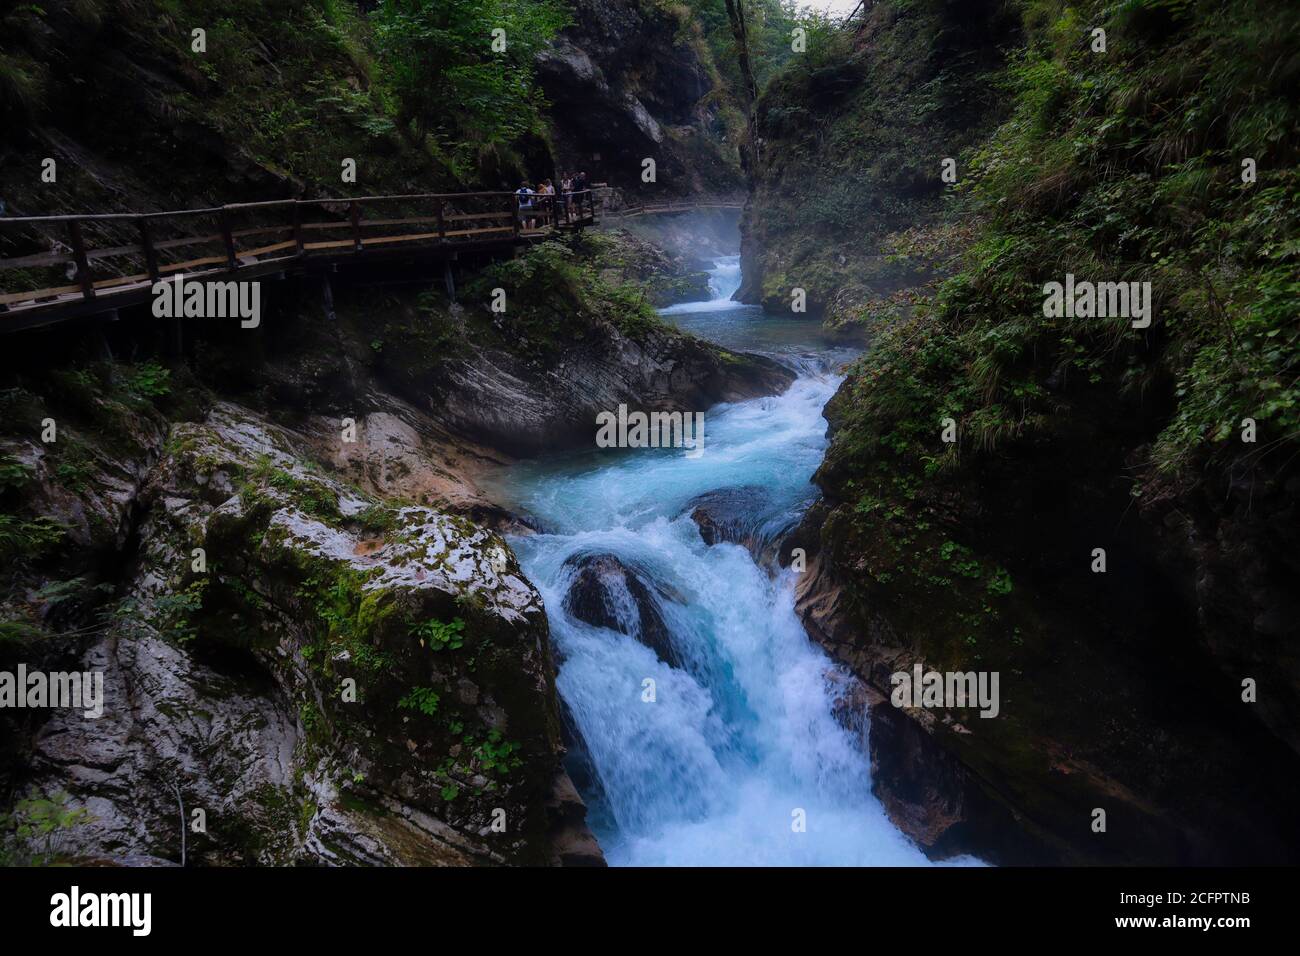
point(353, 618)
point(306, 814)
point(1157, 196)
point(377, 519)
point(554, 299)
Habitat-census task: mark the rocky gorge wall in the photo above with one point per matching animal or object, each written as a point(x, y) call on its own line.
point(374, 559)
point(355, 671)
point(1127, 689)
point(635, 80)
point(847, 203)
point(137, 120)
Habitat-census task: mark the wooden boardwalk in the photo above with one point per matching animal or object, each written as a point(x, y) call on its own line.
point(647, 209)
point(54, 268)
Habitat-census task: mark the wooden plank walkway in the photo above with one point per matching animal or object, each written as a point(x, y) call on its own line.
point(629, 212)
point(66, 267)
point(112, 260)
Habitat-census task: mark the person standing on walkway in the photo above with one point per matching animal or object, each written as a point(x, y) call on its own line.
point(547, 202)
point(580, 188)
point(525, 194)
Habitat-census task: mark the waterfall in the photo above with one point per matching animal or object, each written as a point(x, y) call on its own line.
point(715, 749)
point(724, 280)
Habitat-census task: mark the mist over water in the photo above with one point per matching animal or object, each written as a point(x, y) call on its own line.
point(742, 735)
point(724, 280)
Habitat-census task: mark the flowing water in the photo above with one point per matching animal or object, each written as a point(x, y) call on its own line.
point(740, 743)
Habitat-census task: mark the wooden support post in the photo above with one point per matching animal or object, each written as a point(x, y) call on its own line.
point(297, 228)
point(327, 293)
point(354, 213)
point(150, 254)
point(105, 351)
point(228, 239)
point(175, 337)
point(442, 223)
point(79, 256)
point(449, 279)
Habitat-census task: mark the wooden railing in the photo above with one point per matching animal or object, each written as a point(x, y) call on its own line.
point(644, 209)
point(93, 261)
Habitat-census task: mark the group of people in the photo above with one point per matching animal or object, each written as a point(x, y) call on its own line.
point(536, 207)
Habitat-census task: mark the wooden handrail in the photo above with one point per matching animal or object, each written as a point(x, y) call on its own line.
point(266, 204)
point(79, 256)
point(454, 220)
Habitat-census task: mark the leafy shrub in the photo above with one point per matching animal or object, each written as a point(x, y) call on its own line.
point(422, 699)
point(439, 635)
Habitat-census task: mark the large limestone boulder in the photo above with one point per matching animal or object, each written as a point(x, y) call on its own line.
point(328, 678)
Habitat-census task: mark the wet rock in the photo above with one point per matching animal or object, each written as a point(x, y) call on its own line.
point(729, 514)
point(943, 775)
point(606, 592)
point(226, 690)
point(741, 516)
point(572, 841)
point(402, 452)
point(624, 85)
point(504, 401)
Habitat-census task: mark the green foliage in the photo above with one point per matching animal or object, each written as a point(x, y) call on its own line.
point(422, 699)
point(175, 613)
point(24, 542)
point(770, 25)
point(352, 616)
point(999, 582)
point(13, 474)
point(147, 380)
point(440, 635)
point(313, 497)
point(1117, 167)
point(23, 84)
point(1123, 167)
point(39, 825)
point(556, 296)
point(377, 519)
point(497, 754)
point(310, 716)
point(18, 631)
point(849, 156)
point(469, 100)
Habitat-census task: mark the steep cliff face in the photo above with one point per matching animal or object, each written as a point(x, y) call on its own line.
point(533, 378)
point(343, 681)
point(853, 135)
point(138, 119)
point(635, 80)
point(1131, 685)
